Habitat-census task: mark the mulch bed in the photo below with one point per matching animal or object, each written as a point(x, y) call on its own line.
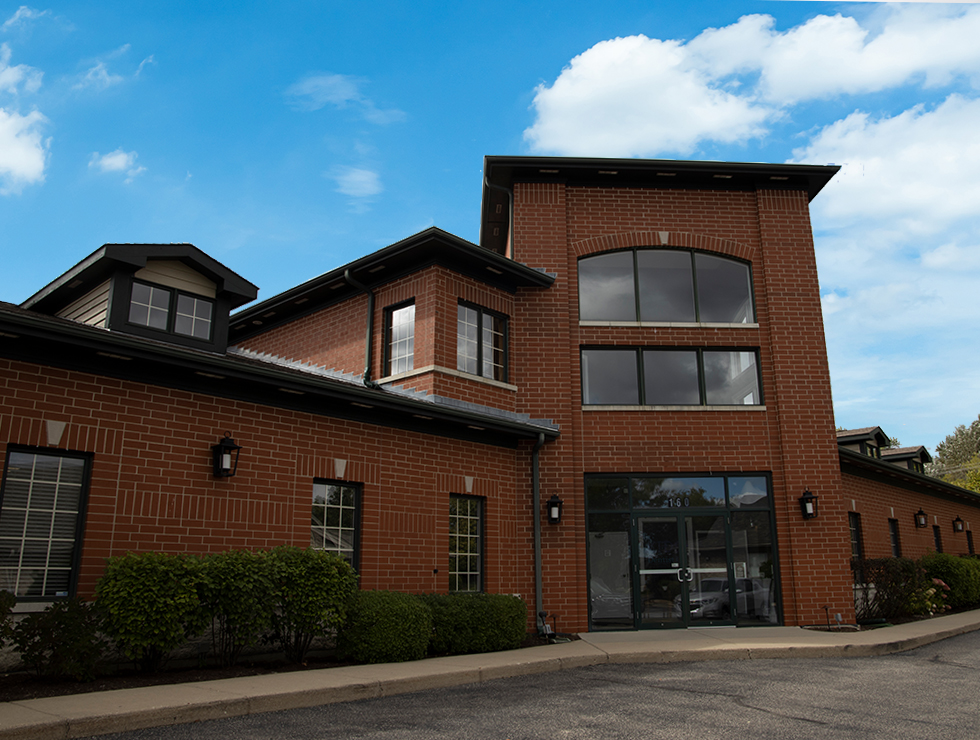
point(19, 686)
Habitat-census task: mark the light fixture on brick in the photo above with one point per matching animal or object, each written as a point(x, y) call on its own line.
point(808, 505)
point(957, 524)
point(225, 455)
point(920, 518)
point(554, 509)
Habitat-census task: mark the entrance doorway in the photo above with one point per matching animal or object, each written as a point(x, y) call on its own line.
point(679, 565)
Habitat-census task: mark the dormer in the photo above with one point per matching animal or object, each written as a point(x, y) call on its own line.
point(913, 458)
point(173, 293)
point(867, 441)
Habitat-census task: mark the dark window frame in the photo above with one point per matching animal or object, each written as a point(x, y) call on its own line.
point(389, 313)
point(358, 490)
point(969, 542)
point(481, 544)
point(83, 499)
point(481, 312)
point(694, 282)
point(174, 297)
point(895, 538)
point(937, 536)
point(641, 374)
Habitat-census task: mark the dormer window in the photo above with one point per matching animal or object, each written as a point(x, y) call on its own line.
point(171, 311)
point(872, 451)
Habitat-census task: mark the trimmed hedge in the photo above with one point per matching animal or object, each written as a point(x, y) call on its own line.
point(476, 623)
point(63, 641)
point(386, 627)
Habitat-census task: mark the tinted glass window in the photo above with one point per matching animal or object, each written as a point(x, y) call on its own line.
point(724, 294)
point(610, 377)
point(608, 493)
point(731, 378)
point(748, 492)
point(670, 378)
point(666, 285)
point(670, 493)
point(606, 290)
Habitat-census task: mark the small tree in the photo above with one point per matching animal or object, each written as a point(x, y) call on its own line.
point(236, 593)
point(954, 454)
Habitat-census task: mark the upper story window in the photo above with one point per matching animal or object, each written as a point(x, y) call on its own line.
point(400, 339)
point(481, 342)
point(664, 285)
point(628, 376)
point(171, 310)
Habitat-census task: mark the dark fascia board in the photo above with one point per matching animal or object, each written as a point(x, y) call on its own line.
point(503, 172)
point(906, 453)
point(869, 467)
point(107, 259)
point(875, 434)
point(430, 247)
point(32, 337)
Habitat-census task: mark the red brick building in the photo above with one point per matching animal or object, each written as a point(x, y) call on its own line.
point(612, 406)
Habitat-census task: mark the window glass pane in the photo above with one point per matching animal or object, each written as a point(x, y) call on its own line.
point(752, 549)
point(670, 377)
point(333, 523)
point(610, 592)
point(401, 333)
point(666, 285)
point(724, 292)
point(607, 493)
point(610, 377)
point(40, 500)
point(493, 347)
point(465, 546)
point(150, 306)
point(605, 288)
point(193, 317)
point(748, 492)
point(731, 378)
point(679, 492)
point(466, 339)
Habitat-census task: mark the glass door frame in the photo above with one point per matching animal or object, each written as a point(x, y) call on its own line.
point(752, 579)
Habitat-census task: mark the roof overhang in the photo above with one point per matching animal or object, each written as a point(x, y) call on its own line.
point(430, 247)
point(31, 337)
point(863, 466)
point(501, 173)
point(109, 258)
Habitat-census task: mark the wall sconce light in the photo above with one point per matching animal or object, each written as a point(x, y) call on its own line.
point(225, 455)
point(808, 505)
point(957, 524)
point(920, 518)
point(554, 509)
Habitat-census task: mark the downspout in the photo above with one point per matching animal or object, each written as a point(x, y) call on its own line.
point(509, 249)
point(369, 342)
point(536, 503)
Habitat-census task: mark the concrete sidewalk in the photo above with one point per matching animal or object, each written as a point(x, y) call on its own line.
point(85, 715)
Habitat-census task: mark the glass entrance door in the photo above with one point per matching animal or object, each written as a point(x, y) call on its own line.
point(682, 574)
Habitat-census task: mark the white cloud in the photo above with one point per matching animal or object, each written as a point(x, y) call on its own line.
point(23, 152)
point(340, 91)
point(356, 182)
point(22, 15)
point(13, 78)
point(117, 161)
point(638, 96)
point(98, 77)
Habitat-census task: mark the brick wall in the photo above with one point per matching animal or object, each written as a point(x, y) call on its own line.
point(152, 487)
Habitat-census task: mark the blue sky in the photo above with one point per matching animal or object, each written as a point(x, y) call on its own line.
point(285, 139)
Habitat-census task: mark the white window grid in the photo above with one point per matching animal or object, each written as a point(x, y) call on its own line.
point(193, 317)
point(401, 333)
point(465, 544)
point(333, 525)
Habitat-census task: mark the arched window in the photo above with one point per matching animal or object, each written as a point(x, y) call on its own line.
point(664, 285)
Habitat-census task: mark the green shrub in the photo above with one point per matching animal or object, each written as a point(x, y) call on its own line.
point(150, 604)
point(476, 623)
point(311, 592)
point(7, 601)
point(62, 641)
point(236, 594)
point(386, 627)
point(962, 575)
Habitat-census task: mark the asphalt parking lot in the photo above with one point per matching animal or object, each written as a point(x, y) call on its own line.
point(932, 691)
